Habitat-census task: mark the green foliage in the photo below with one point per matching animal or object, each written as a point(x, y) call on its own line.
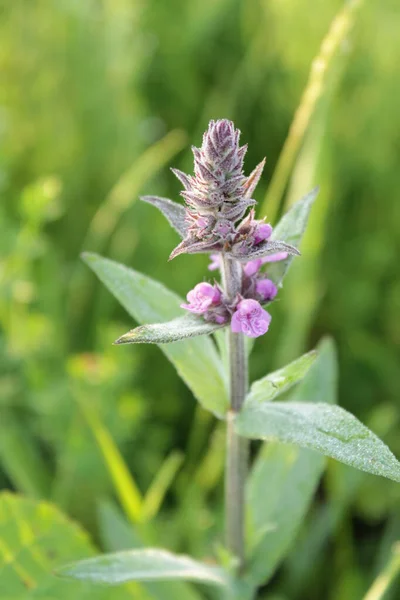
point(146, 300)
point(328, 429)
point(35, 540)
point(291, 228)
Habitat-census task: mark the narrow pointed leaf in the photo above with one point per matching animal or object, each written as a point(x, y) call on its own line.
point(146, 300)
point(143, 565)
point(253, 179)
point(280, 381)
point(291, 229)
point(328, 429)
point(178, 329)
point(193, 246)
point(265, 249)
point(284, 478)
point(174, 212)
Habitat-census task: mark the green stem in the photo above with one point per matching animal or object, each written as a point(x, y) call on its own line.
point(236, 446)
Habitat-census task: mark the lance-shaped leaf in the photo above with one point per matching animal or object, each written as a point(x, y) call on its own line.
point(291, 229)
point(266, 248)
point(328, 429)
point(174, 212)
point(180, 328)
point(194, 246)
point(143, 565)
point(196, 360)
point(253, 179)
point(280, 381)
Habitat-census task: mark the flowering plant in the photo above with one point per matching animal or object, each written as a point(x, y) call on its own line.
point(219, 219)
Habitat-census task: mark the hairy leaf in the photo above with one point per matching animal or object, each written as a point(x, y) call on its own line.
point(328, 429)
point(146, 300)
point(180, 328)
point(266, 248)
point(143, 565)
point(284, 478)
point(291, 229)
point(174, 212)
point(280, 381)
point(253, 179)
point(117, 534)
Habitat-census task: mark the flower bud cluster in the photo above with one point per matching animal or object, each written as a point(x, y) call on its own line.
point(217, 198)
point(218, 195)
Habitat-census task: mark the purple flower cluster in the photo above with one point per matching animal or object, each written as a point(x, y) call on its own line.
point(217, 198)
point(245, 314)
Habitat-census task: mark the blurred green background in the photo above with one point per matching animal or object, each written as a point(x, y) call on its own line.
point(98, 98)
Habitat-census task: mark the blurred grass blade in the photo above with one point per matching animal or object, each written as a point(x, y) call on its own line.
point(150, 564)
point(128, 187)
point(21, 459)
point(383, 582)
point(124, 483)
point(158, 488)
point(284, 478)
point(315, 87)
point(196, 360)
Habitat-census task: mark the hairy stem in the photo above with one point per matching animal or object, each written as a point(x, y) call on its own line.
point(237, 446)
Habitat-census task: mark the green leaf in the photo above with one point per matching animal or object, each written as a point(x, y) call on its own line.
point(35, 539)
point(117, 534)
point(143, 565)
point(284, 478)
point(280, 381)
point(291, 229)
point(175, 213)
point(146, 300)
point(178, 329)
point(328, 429)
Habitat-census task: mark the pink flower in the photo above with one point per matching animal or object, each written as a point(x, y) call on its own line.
point(275, 257)
point(215, 262)
point(202, 297)
point(251, 267)
point(266, 289)
point(262, 232)
point(250, 318)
